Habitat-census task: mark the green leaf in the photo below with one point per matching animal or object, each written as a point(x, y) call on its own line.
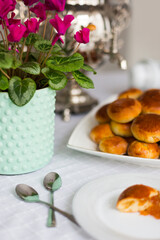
point(32, 38)
point(88, 68)
point(57, 80)
point(2, 49)
point(43, 82)
point(48, 73)
point(3, 82)
point(43, 45)
point(33, 56)
point(56, 48)
point(16, 63)
point(66, 64)
point(83, 80)
point(21, 90)
point(6, 60)
point(31, 67)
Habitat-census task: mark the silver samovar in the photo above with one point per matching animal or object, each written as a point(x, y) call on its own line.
point(110, 18)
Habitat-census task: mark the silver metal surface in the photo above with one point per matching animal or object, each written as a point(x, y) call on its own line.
point(110, 17)
point(29, 194)
point(119, 14)
point(73, 99)
point(49, 181)
point(24, 191)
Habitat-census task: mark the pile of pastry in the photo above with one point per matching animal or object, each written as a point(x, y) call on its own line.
point(130, 125)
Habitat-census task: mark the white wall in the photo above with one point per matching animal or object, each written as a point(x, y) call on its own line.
point(143, 34)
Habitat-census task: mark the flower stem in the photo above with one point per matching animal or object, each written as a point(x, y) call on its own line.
point(40, 57)
point(21, 54)
point(4, 73)
point(6, 27)
point(47, 56)
point(45, 26)
point(76, 49)
point(5, 32)
point(15, 46)
point(27, 55)
point(2, 37)
point(18, 48)
point(51, 34)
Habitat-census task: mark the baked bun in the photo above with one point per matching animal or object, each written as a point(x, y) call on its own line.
point(150, 101)
point(131, 93)
point(143, 150)
point(146, 128)
point(114, 145)
point(136, 198)
point(101, 115)
point(100, 131)
point(124, 110)
point(121, 129)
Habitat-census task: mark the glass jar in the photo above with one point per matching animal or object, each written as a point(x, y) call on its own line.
point(145, 74)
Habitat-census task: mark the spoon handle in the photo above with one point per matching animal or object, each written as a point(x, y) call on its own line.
point(51, 216)
point(65, 214)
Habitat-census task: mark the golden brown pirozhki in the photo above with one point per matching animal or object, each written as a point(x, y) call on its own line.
point(150, 101)
point(146, 128)
point(143, 150)
point(124, 110)
point(100, 131)
point(131, 93)
point(114, 145)
point(101, 115)
point(121, 129)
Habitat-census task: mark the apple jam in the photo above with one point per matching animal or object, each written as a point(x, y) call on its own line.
point(140, 198)
point(154, 209)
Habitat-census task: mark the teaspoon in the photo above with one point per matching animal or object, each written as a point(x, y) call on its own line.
point(52, 182)
point(28, 194)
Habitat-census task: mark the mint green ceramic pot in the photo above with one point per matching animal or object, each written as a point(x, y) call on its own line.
point(26, 133)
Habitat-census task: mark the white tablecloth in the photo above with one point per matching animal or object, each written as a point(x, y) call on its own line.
point(27, 221)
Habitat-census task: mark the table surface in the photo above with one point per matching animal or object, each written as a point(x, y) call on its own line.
point(27, 221)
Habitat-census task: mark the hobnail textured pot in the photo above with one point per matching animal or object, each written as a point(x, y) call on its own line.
point(26, 133)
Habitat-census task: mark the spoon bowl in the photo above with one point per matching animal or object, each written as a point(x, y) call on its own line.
point(27, 193)
point(52, 181)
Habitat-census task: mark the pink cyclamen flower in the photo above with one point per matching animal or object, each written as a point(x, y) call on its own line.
point(82, 36)
point(16, 32)
point(30, 2)
point(32, 26)
point(11, 49)
point(6, 6)
point(61, 26)
point(11, 20)
point(39, 10)
point(57, 5)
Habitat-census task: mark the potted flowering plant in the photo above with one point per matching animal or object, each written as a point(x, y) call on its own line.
point(31, 69)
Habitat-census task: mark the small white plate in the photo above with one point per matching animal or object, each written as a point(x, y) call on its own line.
point(81, 141)
point(94, 207)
